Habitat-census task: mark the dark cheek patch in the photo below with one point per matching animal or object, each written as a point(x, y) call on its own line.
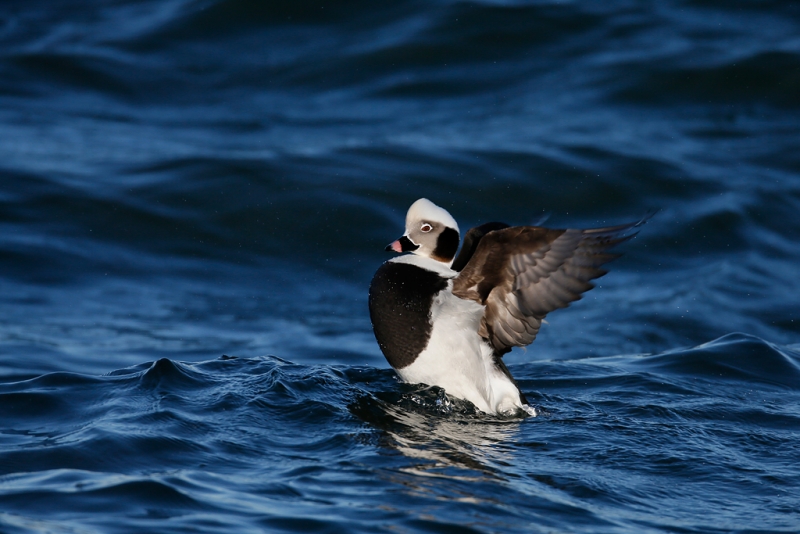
point(446, 245)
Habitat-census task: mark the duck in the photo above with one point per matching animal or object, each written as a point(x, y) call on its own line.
point(444, 316)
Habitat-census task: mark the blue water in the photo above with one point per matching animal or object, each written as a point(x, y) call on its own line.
point(194, 196)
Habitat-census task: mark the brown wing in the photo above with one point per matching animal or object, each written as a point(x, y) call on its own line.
point(471, 242)
point(522, 273)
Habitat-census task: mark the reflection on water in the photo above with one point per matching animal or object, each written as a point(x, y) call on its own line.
point(446, 437)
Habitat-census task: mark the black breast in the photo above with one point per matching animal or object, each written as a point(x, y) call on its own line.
point(400, 298)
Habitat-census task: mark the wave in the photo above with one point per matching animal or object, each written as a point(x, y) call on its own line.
point(184, 401)
point(764, 78)
point(734, 357)
point(161, 440)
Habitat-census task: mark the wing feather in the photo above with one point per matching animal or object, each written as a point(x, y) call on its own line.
point(522, 273)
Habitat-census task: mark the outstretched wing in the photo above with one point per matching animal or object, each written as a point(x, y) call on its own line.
point(471, 242)
point(523, 273)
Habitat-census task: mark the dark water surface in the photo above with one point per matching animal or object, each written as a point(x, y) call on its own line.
point(182, 180)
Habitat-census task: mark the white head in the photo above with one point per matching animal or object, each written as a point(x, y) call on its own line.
point(430, 232)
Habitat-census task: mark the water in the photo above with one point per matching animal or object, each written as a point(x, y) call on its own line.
point(182, 180)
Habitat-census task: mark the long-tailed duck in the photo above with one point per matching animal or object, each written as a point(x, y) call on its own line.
point(447, 320)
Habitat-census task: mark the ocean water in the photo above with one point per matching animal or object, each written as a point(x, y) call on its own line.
point(194, 195)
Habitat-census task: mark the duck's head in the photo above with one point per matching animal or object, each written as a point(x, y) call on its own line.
point(430, 232)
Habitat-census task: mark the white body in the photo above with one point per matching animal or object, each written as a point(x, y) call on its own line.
point(456, 358)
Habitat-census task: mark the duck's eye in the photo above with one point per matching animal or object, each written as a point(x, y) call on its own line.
point(426, 227)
